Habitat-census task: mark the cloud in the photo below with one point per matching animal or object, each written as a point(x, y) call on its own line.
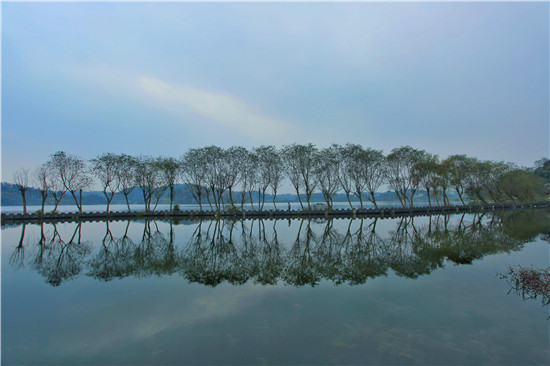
point(223, 109)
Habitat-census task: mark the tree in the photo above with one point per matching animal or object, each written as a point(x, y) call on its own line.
point(169, 171)
point(266, 163)
point(542, 168)
point(495, 170)
point(428, 171)
point(248, 176)
point(57, 189)
point(127, 175)
point(234, 159)
point(359, 161)
point(299, 161)
point(401, 173)
point(522, 185)
point(147, 178)
point(372, 165)
point(215, 169)
point(194, 173)
point(327, 173)
point(72, 171)
point(21, 180)
point(157, 180)
point(276, 174)
point(40, 178)
point(475, 178)
point(346, 167)
point(457, 167)
point(106, 168)
point(443, 181)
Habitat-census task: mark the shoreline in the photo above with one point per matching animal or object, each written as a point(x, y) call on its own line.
point(381, 212)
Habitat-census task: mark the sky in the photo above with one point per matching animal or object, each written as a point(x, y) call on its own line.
point(159, 79)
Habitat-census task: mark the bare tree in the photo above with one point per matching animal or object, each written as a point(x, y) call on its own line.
point(21, 180)
point(156, 180)
point(300, 166)
point(57, 189)
point(72, 171)
point(127, 175)
point(359, 163)
point(146, 179)
point(327, 173)
point(373, 170)
point(194, 173)
point(248, 176)
point(169, 170)
point(215, 177)
point(106, 168)
point(428, 172)
point(347, 166)
point(234, 157)
point(266, 159)
point(40, 178)
point(276, 174)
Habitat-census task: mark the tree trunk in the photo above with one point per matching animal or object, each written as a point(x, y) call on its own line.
point(156, 203)
point(274, 195)
point(199, 194)
point(171, 196)
point(75, 200)
point(107, 198)
point(127, 203)
point(347, 196)
point(144, 199)
point(373, 199)
point(263, 199)
point(208, 198)
point(44, 196)
point(24, 201)
point(300, 199)
point(460, 196)
point(399, 197)
point(251, 201)
point(231, 199)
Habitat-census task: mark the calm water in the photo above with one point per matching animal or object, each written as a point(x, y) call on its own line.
point(420, 291)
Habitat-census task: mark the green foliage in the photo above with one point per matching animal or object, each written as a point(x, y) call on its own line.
point(542, 169)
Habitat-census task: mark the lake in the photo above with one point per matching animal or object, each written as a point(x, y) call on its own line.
point(421, 290)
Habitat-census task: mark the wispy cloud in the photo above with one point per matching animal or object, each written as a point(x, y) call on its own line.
point(223, 109)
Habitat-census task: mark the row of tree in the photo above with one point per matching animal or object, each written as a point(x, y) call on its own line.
point(230, 175)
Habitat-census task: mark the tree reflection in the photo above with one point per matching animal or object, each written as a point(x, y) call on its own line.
point(17, 258)
point(236, 252)
point(114, 258)
point(59, 260)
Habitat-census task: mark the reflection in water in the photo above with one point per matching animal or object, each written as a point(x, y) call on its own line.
point(58, 259)
point(240, 251)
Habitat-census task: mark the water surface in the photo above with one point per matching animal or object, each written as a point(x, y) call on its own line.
point(392, 291)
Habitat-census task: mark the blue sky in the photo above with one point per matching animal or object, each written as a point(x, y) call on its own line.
point(159, 79)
